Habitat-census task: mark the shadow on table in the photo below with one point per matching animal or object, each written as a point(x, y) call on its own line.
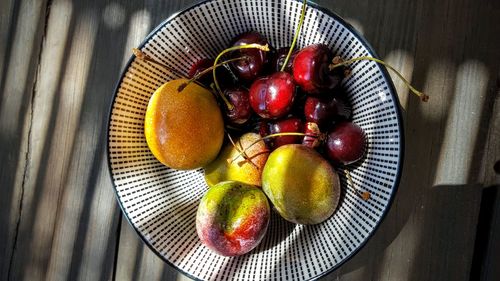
point(441, 219)
point(421, 210)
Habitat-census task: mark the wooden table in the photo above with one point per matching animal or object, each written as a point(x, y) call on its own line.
point(60, 60)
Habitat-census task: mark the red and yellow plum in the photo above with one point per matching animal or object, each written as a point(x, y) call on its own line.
point(232, 218)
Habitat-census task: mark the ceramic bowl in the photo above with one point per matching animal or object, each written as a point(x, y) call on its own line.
point(161, 203)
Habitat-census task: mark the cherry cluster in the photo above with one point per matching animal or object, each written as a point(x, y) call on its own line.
point(280, 92)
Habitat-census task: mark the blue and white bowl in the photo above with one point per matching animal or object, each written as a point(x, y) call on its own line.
point(161, 203)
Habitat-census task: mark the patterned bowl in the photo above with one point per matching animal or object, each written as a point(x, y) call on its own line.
point(161, 203)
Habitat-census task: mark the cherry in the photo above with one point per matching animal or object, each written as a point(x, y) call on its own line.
point(278, 59)
point(320, 110)
point(272, 96)
point(324, 110)
point(288, 125)
point(264, 48)
point(241, 112)
point(311, 70)
point(298, 103)
point(198, 67)
point(207, 79)
point(346, 143)
point(250, 68)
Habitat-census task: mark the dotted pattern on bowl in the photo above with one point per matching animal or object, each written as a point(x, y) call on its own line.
point(161, 203)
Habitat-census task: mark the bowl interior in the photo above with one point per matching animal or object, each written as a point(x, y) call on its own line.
point(161, 203)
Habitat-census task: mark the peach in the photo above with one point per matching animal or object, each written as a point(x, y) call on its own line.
point(232, 218)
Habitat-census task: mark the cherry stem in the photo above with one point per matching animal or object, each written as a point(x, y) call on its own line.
point(205, 71)
point(268, 137)
point(365, 195)
point(234, 48)
point(422, 96)
point(301, 21)
point(143, 56)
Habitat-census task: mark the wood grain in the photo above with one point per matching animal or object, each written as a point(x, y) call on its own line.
point(60, 60)
point(428, 234)
point(19, 53)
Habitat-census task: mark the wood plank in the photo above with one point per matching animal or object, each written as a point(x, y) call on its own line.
point(490, 270)
point(436, 209)
point(429, 232)
point(488, 252)
point(21, 33)
point(69, 219)
point(492, 155)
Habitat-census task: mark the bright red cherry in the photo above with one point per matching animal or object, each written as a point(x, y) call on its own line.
point(251, 68)
point(346, 143)
point(272, 96)
point(241, 111)
point(311, 70)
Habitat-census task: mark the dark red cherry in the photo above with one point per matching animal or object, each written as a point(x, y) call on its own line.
point(241, 112)
point(198, 67)
point(223, 76)
point(263, 128)
point(272, 96)
point(299, 102)
point(288, 125)
point(278, 58)
point(320, 110)
point(311, 70)
point(346, 143)
point(324, 110)
point(251, 68)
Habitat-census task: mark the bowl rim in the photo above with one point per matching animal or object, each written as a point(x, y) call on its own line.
point(385, 74)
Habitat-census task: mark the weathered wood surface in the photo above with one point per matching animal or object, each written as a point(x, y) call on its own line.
point(59, 62)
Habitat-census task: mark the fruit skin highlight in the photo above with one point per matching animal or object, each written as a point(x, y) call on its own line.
point(302, 185)
point(272, 96)
point(184, 130)
point(311, 70)
point(232, 218)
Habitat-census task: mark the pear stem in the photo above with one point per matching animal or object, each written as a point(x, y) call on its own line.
point(297, 31)
point(268, 137)
point(365, 195)
point(422, 96)
point(234, 48)
point(143, 56)
point(239, 149)
point(201, 73)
